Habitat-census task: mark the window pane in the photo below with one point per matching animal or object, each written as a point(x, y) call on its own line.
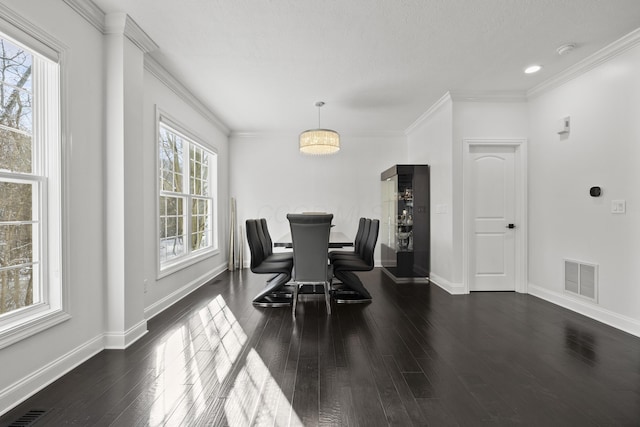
point(15, 65)
point(16, 288)
point(16, 247)
point(199, 171)
point(15, 151)
point(15, 109)
point(171, 162)
point(199, 223)
point(15, 201)
point(171, 228)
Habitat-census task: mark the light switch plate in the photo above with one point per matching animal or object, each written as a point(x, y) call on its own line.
point(618, 206)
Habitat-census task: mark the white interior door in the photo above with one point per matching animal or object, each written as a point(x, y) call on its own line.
point(493, 207)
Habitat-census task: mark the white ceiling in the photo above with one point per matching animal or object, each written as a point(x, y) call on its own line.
point(260, 65)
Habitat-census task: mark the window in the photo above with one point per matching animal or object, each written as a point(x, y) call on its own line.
point(186, 211)
point(30, 192)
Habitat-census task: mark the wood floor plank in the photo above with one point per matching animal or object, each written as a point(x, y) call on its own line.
point(414, 356)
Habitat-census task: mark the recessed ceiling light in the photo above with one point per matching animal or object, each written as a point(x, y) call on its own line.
point(532, 69)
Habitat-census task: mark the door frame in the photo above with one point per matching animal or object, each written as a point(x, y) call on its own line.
point(520, 148)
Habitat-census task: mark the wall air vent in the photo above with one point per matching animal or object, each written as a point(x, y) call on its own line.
point(581, 278)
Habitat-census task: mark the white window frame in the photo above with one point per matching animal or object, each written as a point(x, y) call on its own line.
point(48, 176)
point(190, 257)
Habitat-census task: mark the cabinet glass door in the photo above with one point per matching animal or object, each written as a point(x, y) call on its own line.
point(389, 212)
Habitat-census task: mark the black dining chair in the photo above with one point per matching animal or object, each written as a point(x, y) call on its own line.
point(310, 237)
point(352, 289)
point(358, 243)
point(274, 294)
point(267, 244)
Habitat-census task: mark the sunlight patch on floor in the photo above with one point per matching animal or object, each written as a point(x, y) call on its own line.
point(255, 396)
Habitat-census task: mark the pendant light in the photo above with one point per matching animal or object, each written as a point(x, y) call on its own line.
point(319, 141)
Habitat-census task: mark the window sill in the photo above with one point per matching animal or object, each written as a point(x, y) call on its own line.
point(183, 263)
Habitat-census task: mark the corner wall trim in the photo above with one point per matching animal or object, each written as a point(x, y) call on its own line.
point(23, 389)
point(608, 317)
point(166, 302)
point(452, 288)
point(120, 341)
point(425, 116)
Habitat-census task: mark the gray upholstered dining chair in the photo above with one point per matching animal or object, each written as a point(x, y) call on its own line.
point(310, 237)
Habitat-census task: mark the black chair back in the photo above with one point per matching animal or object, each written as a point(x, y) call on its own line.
point(265, 237)
point(357, 243)
point(370, 245)
point(255, 243)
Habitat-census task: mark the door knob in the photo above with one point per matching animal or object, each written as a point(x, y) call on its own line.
point(511, 226)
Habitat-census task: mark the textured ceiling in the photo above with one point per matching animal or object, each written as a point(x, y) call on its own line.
point(260, 65)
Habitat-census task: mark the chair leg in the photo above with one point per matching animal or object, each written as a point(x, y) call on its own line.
point(327, 298)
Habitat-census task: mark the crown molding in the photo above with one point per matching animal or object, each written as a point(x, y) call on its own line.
point(137, 35)
point(427, 114)
point(121, 23)
point(489, 95)
point(113, 23)
point(179, 89)
point(89, 11)
point(619, 46)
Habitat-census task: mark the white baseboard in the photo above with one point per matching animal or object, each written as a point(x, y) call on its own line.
point(166, 302)
point(452, 288)
point(615, 320)
point(120, 341)
point(23, 389)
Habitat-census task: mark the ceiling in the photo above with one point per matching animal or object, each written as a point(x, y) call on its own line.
point(260, 65)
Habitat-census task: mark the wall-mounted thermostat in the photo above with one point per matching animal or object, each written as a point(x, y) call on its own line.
point(595, 191)
point(564, 125)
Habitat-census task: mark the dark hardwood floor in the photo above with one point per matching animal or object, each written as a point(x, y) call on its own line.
point(414, 356)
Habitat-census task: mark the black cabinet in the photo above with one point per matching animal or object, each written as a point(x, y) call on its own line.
point(404, 226)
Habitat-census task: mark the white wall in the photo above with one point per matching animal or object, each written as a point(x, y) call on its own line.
point(32, 362)
point(164, 291)
point(602, 149)
point(270, 178)
point(36, 361)
point(430, 143)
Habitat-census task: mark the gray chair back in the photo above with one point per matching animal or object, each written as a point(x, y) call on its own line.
point(310, 236)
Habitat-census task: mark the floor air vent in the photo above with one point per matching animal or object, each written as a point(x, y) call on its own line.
point(581, 278)
point(28, 419)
